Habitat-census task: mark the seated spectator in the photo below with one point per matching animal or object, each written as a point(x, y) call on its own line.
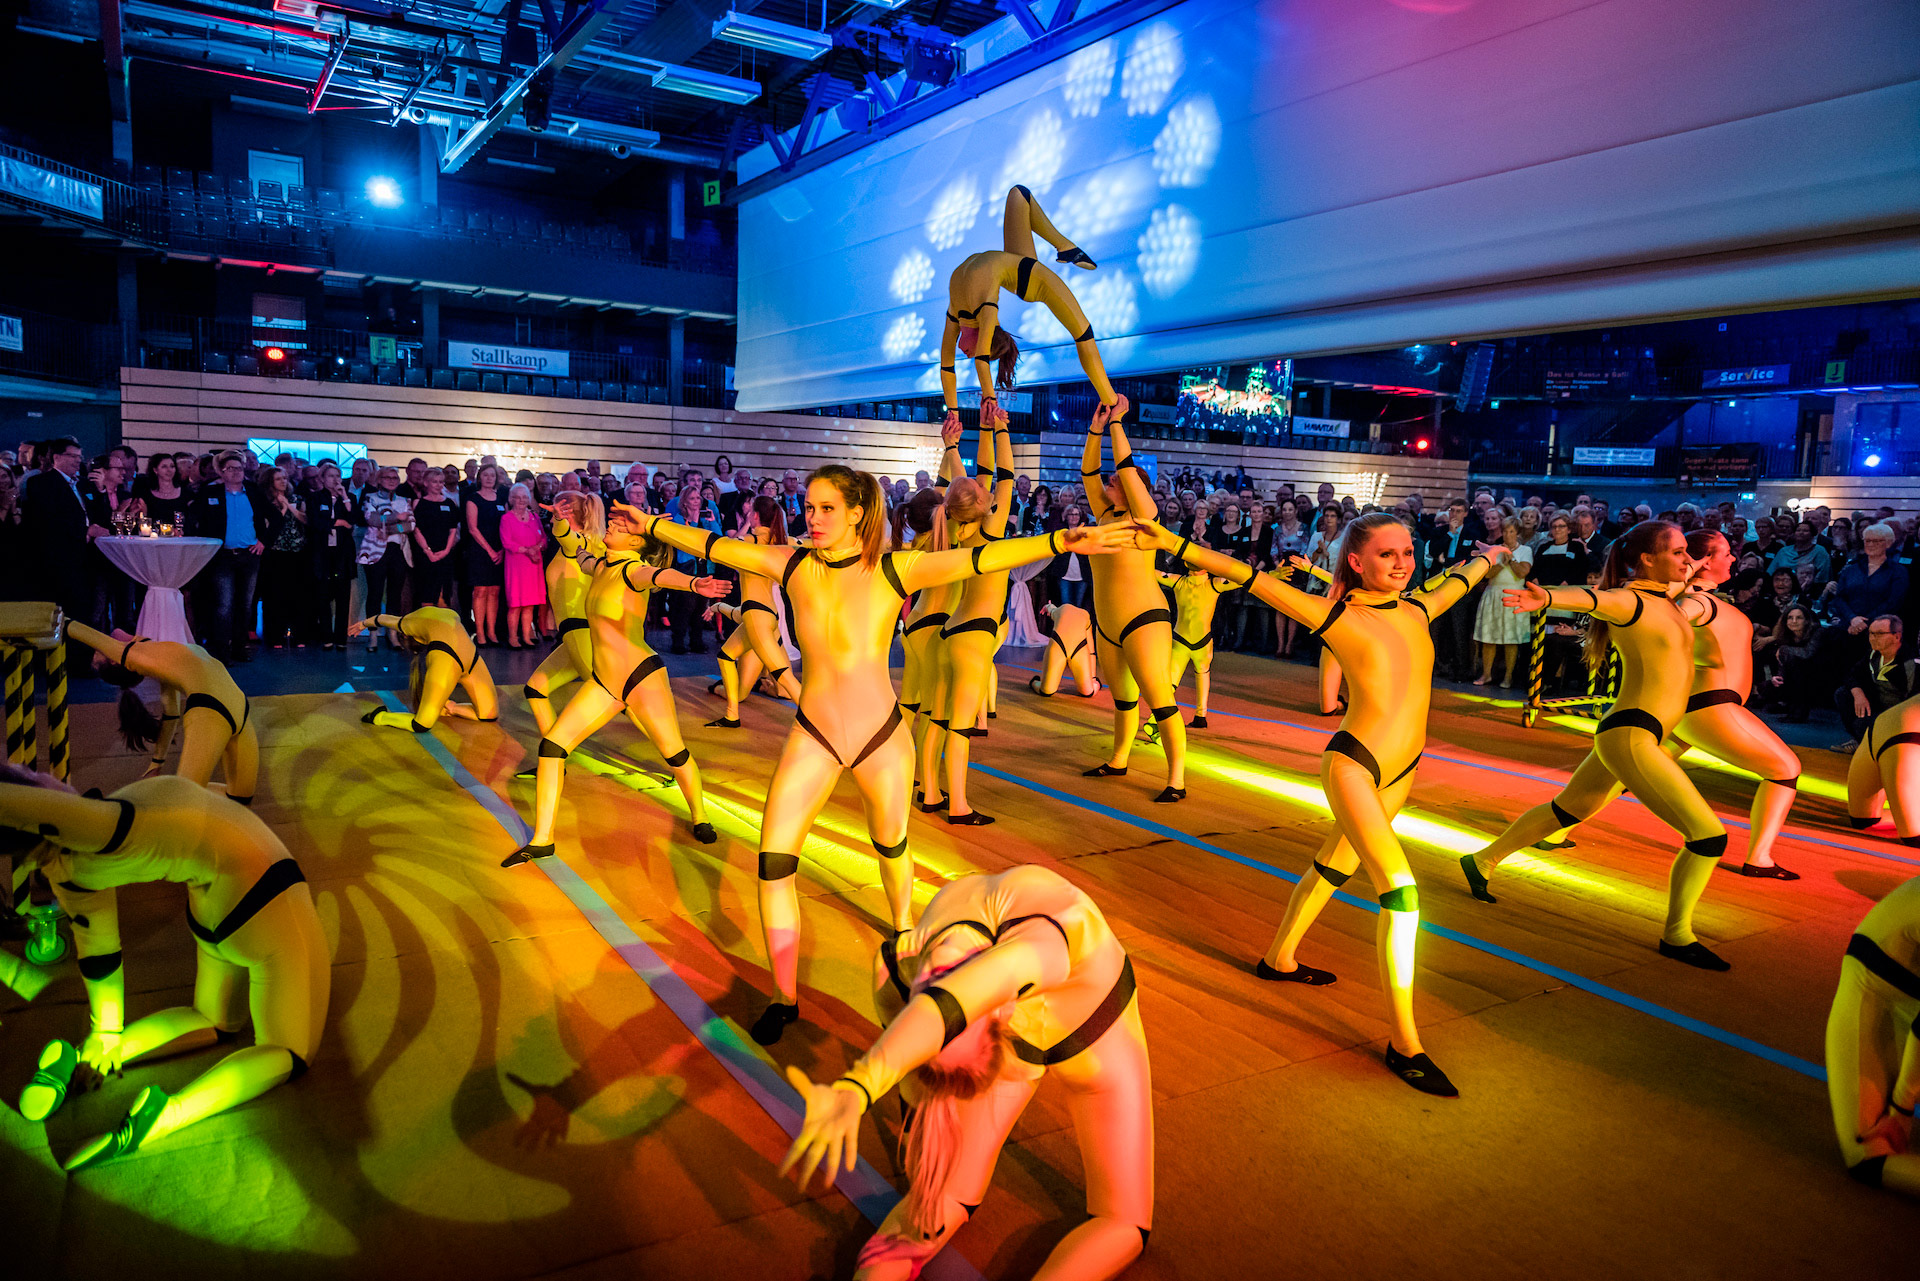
point(1876, 682)
point(1803, 549)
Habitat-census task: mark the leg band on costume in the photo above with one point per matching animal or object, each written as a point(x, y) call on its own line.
point(1401, 898)
point(951, 1013)
point(890, 851)
point(1331, 875)
point(1868, 1171)
point(551, 750)
point(242, 800)
point(95, 968)
point(778, 867)
point(974, 732)
point(1858, 823)
point(1566, 819)
point(299, 1066)
point(1911, 840)
point(1125, 704)
point(1793, 782)
point(531, 692)
point(1709, 846)
point(418, 728)
point(1162, 713)
point(679, 758)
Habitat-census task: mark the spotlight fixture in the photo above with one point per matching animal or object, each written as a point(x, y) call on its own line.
point(275, 354)
point(536, 107)
point(384, 192)
point(774, 37)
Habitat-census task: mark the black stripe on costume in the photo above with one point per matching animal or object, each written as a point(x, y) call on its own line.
point(1639, 608)
point(273, 882)
point(450, 652)
point(951, 1013)
point(706, 553)
point(1339, 608)
point(1096, 1025)
point(793, 563)
point(927, 620)
point(570, 625)
point(1025, 278)
point(1712, 698)
point(1354, 750)
point(212, 703)
point(1202, 643)
point(1331, 875)
point(647, 667)
point(1086, 335)
point(1566, 818)
point(678, 759)
point(1143, 619)
point(778, 867)
point(890, 953)
point(1411, 766)
point(747, 607)
point(1897, 738)
point(121, 826)
point(892, 576)
point(1883, 967)
point(1022, 920)
point(95, 968)
point(1631, 718)
point(989, 625)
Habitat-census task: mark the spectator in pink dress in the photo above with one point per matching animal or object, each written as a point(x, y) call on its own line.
point(521, 539)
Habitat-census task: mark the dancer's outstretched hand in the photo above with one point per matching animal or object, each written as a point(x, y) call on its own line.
point(830, 1131)
point(712, 588)
point(357, 627)
point(1495, 552)
point(1526, 598)
point(1099, 540)
point(643, 519)
point(1150, 535)
point(102, 1052)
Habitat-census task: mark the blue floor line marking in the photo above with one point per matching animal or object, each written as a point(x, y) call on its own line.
point(871, 1194)
point(1674, 1017)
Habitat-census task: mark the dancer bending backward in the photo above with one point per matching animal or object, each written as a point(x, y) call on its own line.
point(1069, 649)
point(1888, 761)
point(251, 916)
point(1717, 719)
point(754, 647)
point(1873, 1044)
point(1635, 610)
point(931, 514)
point(1133, 630)
point(444, 657)
point(973, 303)
point(1382, 643)
point(579, 524)
point(844, 595)
point(623, 579)
point(972, 635)
point(1196, 594)
point(196, 693)
point(1006, 977)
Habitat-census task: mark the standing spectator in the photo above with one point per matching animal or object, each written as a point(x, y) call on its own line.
point(1872, 585)
point(1500, 630)
point(1451, 544)
point(486, 573)
point(1876, 682)
point(225, 510)
point(1068, 574)
point(1804, 549)
point(286, 591)
point(521, 540)
point(688, 608)
point(385, 550)
point(436, 532)
point(56, 531)
point(331, 553)
point(414, 487)
point(793, 501)
point(113, 595)
point(159, 492)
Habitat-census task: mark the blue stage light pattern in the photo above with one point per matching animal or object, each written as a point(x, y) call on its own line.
point(1033, 162)
point(912, 277)
point(904, 336)
point(1184, 153)
point(1169, 250)
point(1155, 61)
point(1089, 79)
point(954, 213)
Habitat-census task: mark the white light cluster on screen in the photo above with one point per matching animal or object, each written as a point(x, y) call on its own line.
point(1034, 161)
point(1105, 201)
point(1111, 304)
point(954, 213)
point(1169, 251)
point(903, 336)
point(1154, 64)
point(1089, 79)
point(1184, 153)
point(912, 276)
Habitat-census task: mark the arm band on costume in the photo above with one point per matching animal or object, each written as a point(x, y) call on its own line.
point(1050, 537)
point(951, 1014)
point(847, 1080)
point(1001, 473)
point(707, 552)
point(1094, 472)
point(1895, 1106)
point(976, 557)
point(100, 967)
point(1181, 552)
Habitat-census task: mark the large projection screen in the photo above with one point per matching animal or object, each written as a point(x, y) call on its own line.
point(1289, 177)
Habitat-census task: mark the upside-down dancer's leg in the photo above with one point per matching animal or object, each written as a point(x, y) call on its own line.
point(1149, 656)
point(1051, 290)
point(802, 781)
point(204, 735)
point(1633, 757)
point(650, 707)
point(1022, 220)
point(885, 780)
point(1864, 785)
point(556, 670)
point(970, 655)
point(1866, 1032)
point(1740, 738)
point(1333, 864)
point(1126, 700)
point(763, 638)
point(589, 711)
point(1110, 1094)
point(437, 684)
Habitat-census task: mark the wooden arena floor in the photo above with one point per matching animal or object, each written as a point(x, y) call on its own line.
point(509, 1088)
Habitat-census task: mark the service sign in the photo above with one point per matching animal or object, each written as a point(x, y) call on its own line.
point(1611, 456)
point(506, 360)
point(1748, 376)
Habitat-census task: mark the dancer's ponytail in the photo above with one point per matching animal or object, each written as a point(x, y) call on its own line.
point(1623, 560)
point(1006, 352)
point(139, 727)
point(932, 1144)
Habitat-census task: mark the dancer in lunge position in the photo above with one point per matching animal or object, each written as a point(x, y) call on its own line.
point(579, 524)
point(1006, 978)
point(1069, 650)
point(250, 913)
point(1873, 1044)
point(1134, 628)
point(754, 647)
point(1640, 609)
point(627, 676)
point(444, 657)
point(197, 694)
point(1382, 643)
point(844, 595)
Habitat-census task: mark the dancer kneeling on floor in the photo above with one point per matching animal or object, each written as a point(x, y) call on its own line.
point(1873, 1044)
point(1887, 763)
point(444, 657)
point(1007, 977)
point(1069, 650)
point(197, 694)
point(263, 931)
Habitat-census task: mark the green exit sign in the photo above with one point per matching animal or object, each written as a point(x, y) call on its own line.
point(710, 194)
point(1836, 372)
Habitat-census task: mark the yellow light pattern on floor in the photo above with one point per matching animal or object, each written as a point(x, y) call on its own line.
point(1826, 789)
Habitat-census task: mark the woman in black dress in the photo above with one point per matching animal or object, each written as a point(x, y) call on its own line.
point(436, 532)
point(331, 550)
point(159, 492)
point(486, 504)
point(283, 566)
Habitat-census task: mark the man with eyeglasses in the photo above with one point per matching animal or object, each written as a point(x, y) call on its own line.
point(224, 589)
point(53, 515)
point(1876, 682)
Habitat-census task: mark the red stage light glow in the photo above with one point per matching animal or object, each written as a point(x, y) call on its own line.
point(274, 353)
point(1423, 444)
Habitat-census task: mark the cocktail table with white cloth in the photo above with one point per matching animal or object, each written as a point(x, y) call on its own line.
point(164, 565)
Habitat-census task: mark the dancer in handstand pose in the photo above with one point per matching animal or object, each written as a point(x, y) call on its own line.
point(1634, 609)
point(844, 593)
point(444, 657)
point(1381, 640)
point(633, 567)
point(196, 693)
point(1069, 649)
point(1007, 977)
point(263, 932)
point(1873, 1044)
point(754, 647)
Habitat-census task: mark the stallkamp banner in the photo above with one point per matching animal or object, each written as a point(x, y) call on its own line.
point(1338, 427)
point(506, 360)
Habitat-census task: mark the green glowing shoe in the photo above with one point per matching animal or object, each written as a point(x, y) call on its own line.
point(146, 1110)
point(48, 1088)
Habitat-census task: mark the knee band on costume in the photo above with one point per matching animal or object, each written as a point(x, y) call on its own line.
point(890, 851)
point(1793, 782)
point(1125, 704)
point(937, 721)
point(99, 967)
point(971, 732)
point(1858, 823)
point(679, 758)
point(242, 800)
point(1868, 1171)
point(778, 867)
point(1910, 840)
point(418, 728)
point(1401, 898)
point(911, 709)
point(1332, 876)
point(1566, 819)
point(1709, 846)
point(1162, 713)
point(531, 692)
point(299, 1066)
point(550, 750)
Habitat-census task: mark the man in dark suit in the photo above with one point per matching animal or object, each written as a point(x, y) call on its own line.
point(53, 515)
point(226, 510)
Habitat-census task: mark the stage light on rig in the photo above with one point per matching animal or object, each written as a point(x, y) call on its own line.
point(1422, 444)
point(384, 192)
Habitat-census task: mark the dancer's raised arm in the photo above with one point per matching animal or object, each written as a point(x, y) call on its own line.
point(1301, 606)
point(1436, 597)
point(1128, 474)
point(1608, 604)
point(996, 455)
point(1091, 456)
point(704, 543)
point(930, 569)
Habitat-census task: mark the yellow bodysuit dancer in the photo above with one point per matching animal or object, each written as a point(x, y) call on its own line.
point(444, 658)
point(579, 524)
point(971, 637)
point(252, 920)
point(197, 694)
point(1634, 609)
point(1381, 640)
point(973, 304)
point(1007, 977)
point(1873, 1044)
point(754, 647)
point(627, 676)
point(922, 671)
point(1888, 761)
point(1133, 631)
point(1196, 594)
point(844, 595)
point(1069, 649)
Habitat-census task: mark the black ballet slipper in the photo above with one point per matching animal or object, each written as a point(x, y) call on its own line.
point(1076, 256)
point(725, 722)
point(1551, 844)
point(1341, 710)
point(1033, 683)
point(1420, 1072)
point(1169, 795)
point(1198, 722)
point(1104, 771)
point(1476, 880)
point(972, 818)
point(1772, 872)
point(526, 854)
point(704, 833)
point(920, 803)
point(772, 1023)
point(1299, 974)
point(368, 718)
point(716, 689)
point(1696, 954)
